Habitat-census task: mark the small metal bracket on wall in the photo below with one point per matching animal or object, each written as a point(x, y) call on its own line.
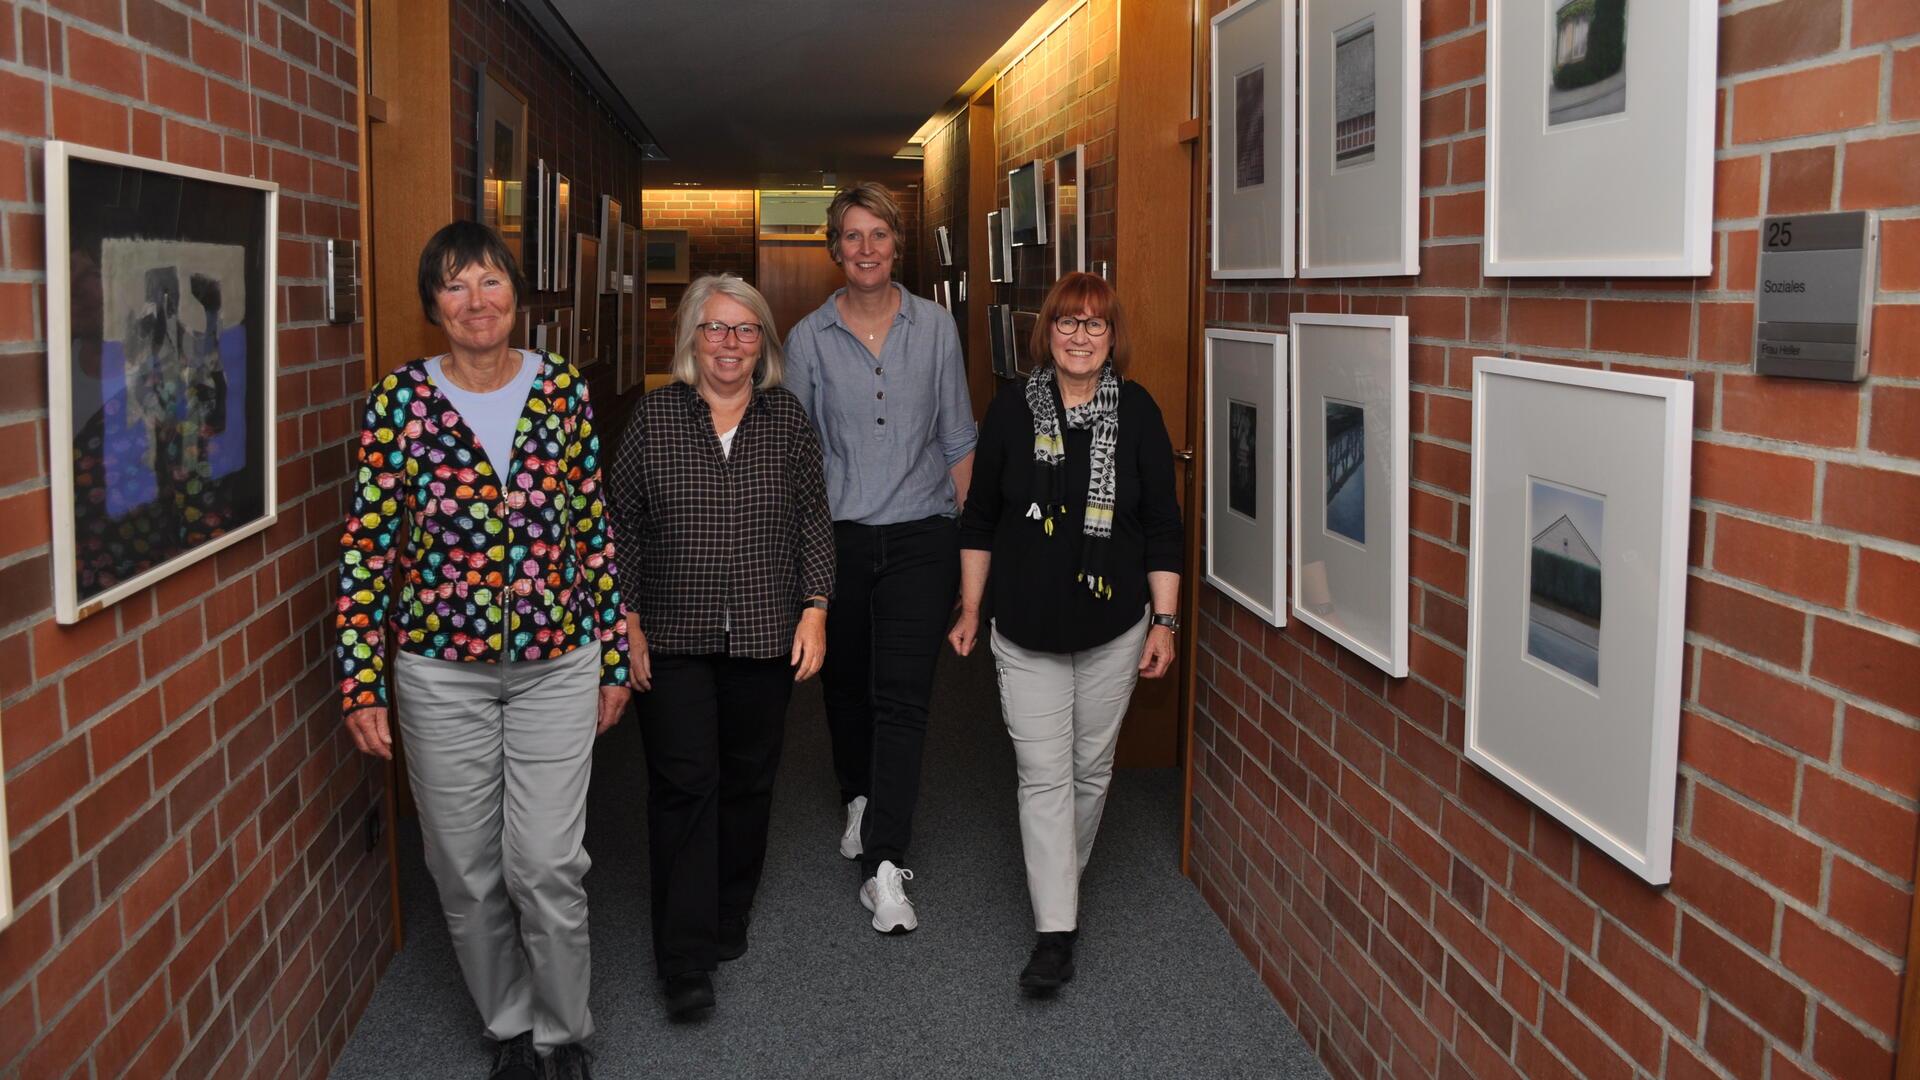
point(343, 281)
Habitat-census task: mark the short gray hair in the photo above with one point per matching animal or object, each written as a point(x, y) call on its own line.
point(686, 368)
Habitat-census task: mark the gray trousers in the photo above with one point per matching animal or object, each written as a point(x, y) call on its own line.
point(1064, 711)
point(499, 756)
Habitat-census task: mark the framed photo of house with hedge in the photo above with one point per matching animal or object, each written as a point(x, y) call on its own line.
point(1576, 596)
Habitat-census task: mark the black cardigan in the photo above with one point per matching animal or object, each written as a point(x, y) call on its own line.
point(1031, 591)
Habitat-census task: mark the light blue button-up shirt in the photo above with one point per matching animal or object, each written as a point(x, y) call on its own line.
point(892, 427)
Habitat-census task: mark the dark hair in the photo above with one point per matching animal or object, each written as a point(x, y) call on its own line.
point(452, 250)
point(1073, 293)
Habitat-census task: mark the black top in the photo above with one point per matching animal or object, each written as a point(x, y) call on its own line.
point(1032, 594)
point(726, 548)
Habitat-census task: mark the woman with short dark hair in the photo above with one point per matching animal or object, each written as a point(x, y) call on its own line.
point(880, 372)
point(510, 643)
point(1073, 511)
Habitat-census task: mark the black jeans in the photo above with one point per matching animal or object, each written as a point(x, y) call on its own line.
point(713, 726)
point(892, 599)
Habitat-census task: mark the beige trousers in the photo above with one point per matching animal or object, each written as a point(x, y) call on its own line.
point(1063, 711)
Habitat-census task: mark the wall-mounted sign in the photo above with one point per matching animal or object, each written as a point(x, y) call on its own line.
point(1813, 315)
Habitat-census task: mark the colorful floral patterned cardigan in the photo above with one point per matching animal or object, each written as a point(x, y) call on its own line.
point(536, 562)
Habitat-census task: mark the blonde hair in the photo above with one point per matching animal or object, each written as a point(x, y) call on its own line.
point(875, 199)
point(686, 367)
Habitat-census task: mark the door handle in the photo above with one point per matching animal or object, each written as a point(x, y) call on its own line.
point(1184, 455)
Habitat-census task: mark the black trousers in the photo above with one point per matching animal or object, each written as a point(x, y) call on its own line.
point(893, 597)
point(713, 726)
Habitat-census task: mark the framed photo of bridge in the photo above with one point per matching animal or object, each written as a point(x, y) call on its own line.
point(1576, 596)
point(1348, 403)
point(1600, 117)
point(1359, 138)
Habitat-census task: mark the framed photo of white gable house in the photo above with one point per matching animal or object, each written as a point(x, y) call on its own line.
point(1600, 138)
point(1576, 596)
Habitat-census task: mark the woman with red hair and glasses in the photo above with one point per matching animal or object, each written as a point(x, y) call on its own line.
point(1072, 517)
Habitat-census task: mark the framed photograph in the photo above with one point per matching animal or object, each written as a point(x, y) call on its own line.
point(943, 294)
point(161, 368)
point(609, 269)
point(1023, 324)
point(1069, 224)
point(1360, 145)
point(1253, 143)
point(539, 213)
point(999, 252)
point(1348, 404)
point(1246, 469)
point(501, 136)
point(1026, 224)
point(1000, 329)
point(633, 300)
point(6, 873)
point(1600, 121)
point(562, 233)
point(943, 244)
point(667, 257)
point(586, 301)
point(1577, 596)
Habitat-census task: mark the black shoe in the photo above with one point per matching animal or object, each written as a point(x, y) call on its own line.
point(1051, 965)
point(733, 937)
point(689, 993)
point(569, 1062)
point(515, 1059)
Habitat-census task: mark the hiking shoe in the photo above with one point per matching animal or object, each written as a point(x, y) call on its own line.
point(885, 894)
point(1051, 965)
point(850, 837)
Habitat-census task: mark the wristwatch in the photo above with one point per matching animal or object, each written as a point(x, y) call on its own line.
point(816, 602)
point(1171, 622)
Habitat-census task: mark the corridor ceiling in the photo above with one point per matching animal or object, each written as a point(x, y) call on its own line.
point(776, 93)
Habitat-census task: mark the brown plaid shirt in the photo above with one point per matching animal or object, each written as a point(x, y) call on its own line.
point(723, 550)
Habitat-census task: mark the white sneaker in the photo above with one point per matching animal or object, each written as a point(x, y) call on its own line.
point(850, 839)
point(885, 895)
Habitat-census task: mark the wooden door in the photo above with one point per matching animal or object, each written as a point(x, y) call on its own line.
point(795, 276)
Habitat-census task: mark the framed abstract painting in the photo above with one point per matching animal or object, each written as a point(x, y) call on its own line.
point(161, 368)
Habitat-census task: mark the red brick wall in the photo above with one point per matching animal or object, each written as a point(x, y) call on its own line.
point(187, 817)
point(567, 126)
point(943, 196)
point(720, 231)
point(1417, 918)
point(1062, 93)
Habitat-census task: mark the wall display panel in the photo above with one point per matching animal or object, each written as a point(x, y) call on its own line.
point(1069, 222)
point(668, 260)
point(1246, 377)
point(539, 224)
point(1253, 140)
point(501, 135)
point(633, 358)
point(1026, 223)
point(943, 243)
point(1600, 138)
point(609, 268)
point(1000, 328)
point(1348, 404)
point(1577, 595)
point(562, 233)
point(586, 301)
point(161, 368)
point(1360, 145)
point(999, 253)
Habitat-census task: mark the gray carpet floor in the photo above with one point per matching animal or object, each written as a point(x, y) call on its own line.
point(1161, 990)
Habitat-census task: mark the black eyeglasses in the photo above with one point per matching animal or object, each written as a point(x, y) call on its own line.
point(1071, 324)
point(716, 331)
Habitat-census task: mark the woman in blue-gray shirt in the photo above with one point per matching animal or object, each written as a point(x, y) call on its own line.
point(881, 374)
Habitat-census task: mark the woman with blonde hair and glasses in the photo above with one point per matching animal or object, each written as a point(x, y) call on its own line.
point(880, 372)
point(718, 482)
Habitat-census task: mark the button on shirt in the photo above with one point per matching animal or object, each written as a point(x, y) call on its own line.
point(890, 428)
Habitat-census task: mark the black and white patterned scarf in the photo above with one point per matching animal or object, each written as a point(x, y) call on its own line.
point(1102, 414)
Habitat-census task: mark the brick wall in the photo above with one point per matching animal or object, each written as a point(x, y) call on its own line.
point(568, 127)
point(943, 197)
point(193, 885)
point(720, 231)
point(1417, 918)
point(1062, 93)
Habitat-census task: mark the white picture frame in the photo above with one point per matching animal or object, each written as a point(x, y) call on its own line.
point(609, 264)
point(1246, 459)
point(540, 195)
point(943, 244)
point(1253, 185)
point(1069, 211)
point(1360, 138)
point(562, 232)
point(1600, 180)
point(217, 227)
point(999, 252)
point(1347, 403)
point(1574, 665)
point(1026, 219)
